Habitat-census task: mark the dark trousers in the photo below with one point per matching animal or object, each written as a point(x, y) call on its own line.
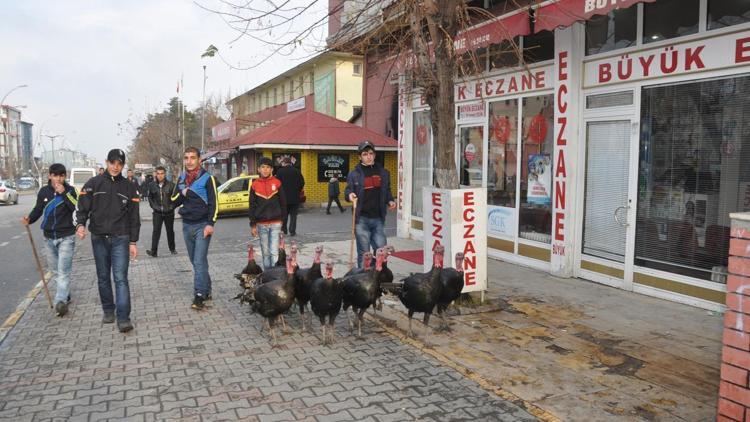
point(332, 199)
point(290, 219)
point(112, 257)
point(168, 220)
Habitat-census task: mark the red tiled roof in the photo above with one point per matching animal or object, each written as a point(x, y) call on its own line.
point(308, 127)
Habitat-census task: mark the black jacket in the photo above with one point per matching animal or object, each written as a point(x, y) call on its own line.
point(292, 183)
point(267, 202)
point(333, 189)
point(159, 198)
point(200, 205)
point(110, 204)
point(355, 182)
point(58, 210)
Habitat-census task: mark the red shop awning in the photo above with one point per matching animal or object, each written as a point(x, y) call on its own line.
point(493, 32)
point(564, 12)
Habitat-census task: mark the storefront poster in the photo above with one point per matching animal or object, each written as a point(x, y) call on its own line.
point(278, 158)
point(332, 165)
point(501, 221)
point(540, 179)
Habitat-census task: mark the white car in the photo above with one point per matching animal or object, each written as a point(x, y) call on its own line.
point(8, 192)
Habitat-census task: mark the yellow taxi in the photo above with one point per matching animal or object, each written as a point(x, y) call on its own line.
point(234, 194)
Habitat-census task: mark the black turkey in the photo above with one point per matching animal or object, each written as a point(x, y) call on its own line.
point(360, 291)
point(325, 300)
point(276, 297)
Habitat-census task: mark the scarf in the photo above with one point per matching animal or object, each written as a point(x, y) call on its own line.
point(190, 176)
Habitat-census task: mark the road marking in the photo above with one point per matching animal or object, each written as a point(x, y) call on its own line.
point(16, 237)
point(3, 244)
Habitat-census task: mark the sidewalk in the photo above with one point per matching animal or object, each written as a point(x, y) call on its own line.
point(579, 350)
point(553, 348)
point(180, 364)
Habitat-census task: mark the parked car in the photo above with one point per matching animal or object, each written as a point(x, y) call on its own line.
point(26, 183)
point(8, 192)
point(234, 194)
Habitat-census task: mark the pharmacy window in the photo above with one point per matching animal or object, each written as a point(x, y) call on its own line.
point(723, 13)
point(669, 19)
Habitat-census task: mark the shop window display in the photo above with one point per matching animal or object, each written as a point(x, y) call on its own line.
point(471, 156)
point(535, 214)
point(723, 13)
point(421, 163)
point(613, 31)
point(502, 154)
point(667, 19)
point(693, 172)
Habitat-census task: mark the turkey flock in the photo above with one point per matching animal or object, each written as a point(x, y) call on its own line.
point(273, 292)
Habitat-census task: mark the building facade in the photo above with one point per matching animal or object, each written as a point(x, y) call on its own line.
point(613, 150)
point(10, 143)
point(27, 148)
point(69, 158)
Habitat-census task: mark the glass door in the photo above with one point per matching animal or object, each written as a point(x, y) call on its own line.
point(471, 156)
point(608, 198)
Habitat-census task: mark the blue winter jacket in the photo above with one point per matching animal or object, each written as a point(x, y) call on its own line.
point(200, 205)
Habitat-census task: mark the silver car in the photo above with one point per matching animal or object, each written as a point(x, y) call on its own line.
point(8, 192)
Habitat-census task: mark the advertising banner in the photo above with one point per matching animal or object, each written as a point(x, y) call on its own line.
point(332, 165)
point(540, 179)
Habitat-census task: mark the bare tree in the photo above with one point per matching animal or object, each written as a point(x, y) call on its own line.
point(415, 37)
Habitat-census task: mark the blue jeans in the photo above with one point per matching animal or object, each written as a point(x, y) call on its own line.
point(59, 261)
point(370, 233)
point(197, 249)
point(269, 243)
point(112, 258)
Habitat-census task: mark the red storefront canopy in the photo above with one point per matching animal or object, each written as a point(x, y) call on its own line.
point(565, 12)
point(493, 32)
point(313, 129)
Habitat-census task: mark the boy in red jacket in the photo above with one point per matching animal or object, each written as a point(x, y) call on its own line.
point(267, 207)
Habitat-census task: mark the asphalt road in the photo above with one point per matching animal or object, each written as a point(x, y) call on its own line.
point(18, 273)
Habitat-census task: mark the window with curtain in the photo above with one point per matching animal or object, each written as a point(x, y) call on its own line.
point(693, 172)
point(421, 159)
point(535, 213)
point(723, 13)
point(613, 31)
point(502, 154)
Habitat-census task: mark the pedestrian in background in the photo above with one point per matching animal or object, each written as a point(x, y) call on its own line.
point(110, 205)
point(159, 193)
point(292, 182)
point(196, 193)
point(267, 203)
point(370, 185)
point(134, 180)
point(56, 204)
point(333, 194)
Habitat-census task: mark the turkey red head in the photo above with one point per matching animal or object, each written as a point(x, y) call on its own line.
point(290, 264)
point(293, 251)
point(329, 269)
point(318, 253)
point(459, 262)
point(367, 260)
point(250, 253)
point(379, 257)
point(281, 241)
point(437, 257)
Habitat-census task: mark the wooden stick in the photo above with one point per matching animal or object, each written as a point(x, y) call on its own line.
point(39, 266)
point(351, 245)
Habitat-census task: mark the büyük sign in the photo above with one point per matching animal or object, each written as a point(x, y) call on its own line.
point(457, 220)
point(332, 165)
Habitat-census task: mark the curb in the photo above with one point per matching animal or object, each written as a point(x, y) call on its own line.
point(484, 383)
point(14, 317)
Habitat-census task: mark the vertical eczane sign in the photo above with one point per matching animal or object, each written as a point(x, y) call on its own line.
point(457, 220)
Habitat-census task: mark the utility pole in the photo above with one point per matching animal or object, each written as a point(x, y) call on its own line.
point(52, 139)
point(203, 111)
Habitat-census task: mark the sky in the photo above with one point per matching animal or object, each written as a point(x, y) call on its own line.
point(95, 68)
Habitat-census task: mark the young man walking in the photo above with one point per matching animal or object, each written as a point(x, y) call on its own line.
point(109, 203)
point(333, 194)
point(196, 193)
point(267, 204)
point(369, 184)
point(159, 193)
point(292, 182)
point(56, 205)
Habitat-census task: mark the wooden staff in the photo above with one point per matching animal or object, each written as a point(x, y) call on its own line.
point(39, 265)
point(351, 245)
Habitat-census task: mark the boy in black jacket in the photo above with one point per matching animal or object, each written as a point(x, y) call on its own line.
point(110, 204)
point(56, 202)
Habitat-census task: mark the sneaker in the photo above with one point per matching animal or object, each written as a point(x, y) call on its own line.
point(108, 318)
point(61, 309)
point(173, 252)
point(124, 326)
point(151, 253)
point(198, 302)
